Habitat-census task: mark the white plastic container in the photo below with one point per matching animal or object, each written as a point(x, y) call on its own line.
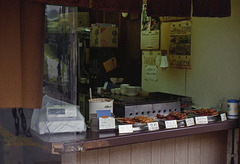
point(100, 104)
point(233, 111)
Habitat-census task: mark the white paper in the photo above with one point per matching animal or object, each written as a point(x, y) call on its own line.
point(189, 121)
point(223, 117)
point(151, 72)
point(201, 120)
point(125, 128)
point(150, 40)
point(153, 126)
point(171, 124)
point(106, 123)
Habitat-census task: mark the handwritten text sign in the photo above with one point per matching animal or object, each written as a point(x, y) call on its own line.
point(201, 120)
point(171, 124)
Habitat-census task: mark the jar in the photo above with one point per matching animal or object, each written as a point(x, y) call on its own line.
point(233, 110)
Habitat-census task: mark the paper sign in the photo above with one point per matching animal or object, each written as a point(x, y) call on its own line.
point(101, 113)
point(153, 126)
point(149, 40)
point(110, 64)
point(151, 72)
point(171, 124)
point(125, 128)
point(189, 121)
point(106, 123)
point(201, 120)
point(223, 117)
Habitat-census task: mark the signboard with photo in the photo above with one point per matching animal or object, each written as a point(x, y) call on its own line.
point(180, 45)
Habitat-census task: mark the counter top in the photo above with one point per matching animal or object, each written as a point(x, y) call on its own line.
point(68, 142)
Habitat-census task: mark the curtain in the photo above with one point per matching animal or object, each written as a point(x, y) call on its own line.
point(133, 6)
point(21, 53)
point(77, 3)
point(211, 8)
point(176, 8)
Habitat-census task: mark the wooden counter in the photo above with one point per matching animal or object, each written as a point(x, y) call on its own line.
point(97, 140)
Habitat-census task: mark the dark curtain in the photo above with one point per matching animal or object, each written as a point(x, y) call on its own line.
point(21, 53)
point(77, 3)
point(176, 8)
point(211, 8)
point(133, 6)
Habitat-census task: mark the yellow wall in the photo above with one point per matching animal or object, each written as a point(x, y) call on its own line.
point(215, 71)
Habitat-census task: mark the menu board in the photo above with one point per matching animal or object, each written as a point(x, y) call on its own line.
point(180, 45)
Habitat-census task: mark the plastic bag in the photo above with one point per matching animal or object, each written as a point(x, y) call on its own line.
point(57, 116)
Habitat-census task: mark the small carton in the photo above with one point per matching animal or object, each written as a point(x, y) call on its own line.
point(103, 36)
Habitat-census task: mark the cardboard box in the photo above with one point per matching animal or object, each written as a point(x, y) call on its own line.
point(103, 36)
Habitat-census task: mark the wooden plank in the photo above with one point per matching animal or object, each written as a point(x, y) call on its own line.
point(103, 156)
point(207, 148)
point(229, 146)
point(220, 149)
point(236, 146)
point(181, 150)
point(167, 151)
point(89, 157)
point(141, 153)
point(70, 158)
point(194, 149)
point(120, 154)
point(156, 152)
point(212, 150)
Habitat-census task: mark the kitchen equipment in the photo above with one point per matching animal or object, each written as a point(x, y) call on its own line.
point(100, 104)
point(145, 108)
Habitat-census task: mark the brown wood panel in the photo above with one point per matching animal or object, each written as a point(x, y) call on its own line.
point(141, 153)
point(168, 151)
point(120, 154)
point(212, 150)
point(89, 157)
point(103, 156)
point(72, 158)
point(156, 152)
point(220, 140)
point(194, 149)
point(181, 150)
point(208, 148)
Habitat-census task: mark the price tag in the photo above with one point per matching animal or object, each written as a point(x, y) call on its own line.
point(171, 124)
point(153, 126)
point(201, 120)
point(223, 117)
point(106, 123)
point(190, 121)
point(125, 128)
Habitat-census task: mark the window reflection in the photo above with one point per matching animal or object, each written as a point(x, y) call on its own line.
point(60, 52)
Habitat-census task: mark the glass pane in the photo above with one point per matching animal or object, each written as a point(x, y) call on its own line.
point(60, 53)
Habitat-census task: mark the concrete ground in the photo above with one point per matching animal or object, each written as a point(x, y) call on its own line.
point(21, 149)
